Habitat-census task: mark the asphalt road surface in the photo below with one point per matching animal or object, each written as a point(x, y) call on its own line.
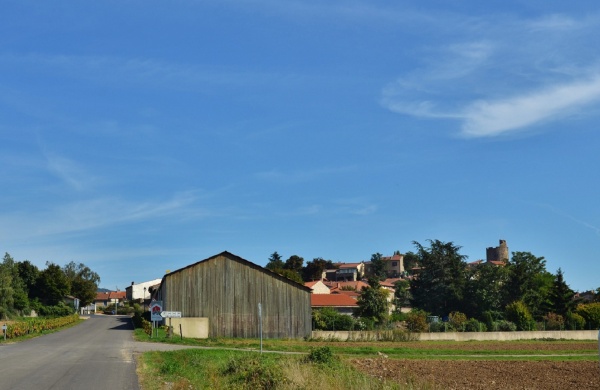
point(96, 354)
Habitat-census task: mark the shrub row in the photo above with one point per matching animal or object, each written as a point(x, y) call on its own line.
point(38, 325)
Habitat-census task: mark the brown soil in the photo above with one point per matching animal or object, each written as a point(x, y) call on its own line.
point(478, 374)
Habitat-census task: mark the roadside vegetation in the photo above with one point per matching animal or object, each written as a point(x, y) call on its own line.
point(222, 369)
point(25, 289)
point(25, 328)
point(298, 364)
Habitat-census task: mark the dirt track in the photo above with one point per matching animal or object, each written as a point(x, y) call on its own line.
point(477, 374)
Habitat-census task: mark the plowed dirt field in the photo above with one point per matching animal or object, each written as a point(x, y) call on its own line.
point(448, 374)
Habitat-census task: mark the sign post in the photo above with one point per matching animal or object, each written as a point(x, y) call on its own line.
point(260, 324)
point(169, 315)
point(155, 310)
point(4, 330)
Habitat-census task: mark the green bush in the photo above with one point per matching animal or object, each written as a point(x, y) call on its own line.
point(331, 319)
point(574, 321)
point(320, 355)
point(457, 320)
point(416, 321)
point(440, 326)
point(491, 316)
point(254, 372)
point(553, 321)
point(472, 325)
point(591, 313)
point(60, 310)
point(398, 317)
point(503, 326)
point(518, 313)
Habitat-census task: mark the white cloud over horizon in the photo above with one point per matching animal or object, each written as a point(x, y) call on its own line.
point(496, 117)
point(493, 86)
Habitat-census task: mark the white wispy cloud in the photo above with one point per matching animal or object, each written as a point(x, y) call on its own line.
point(70, 172)
point(87, 215)
point(495, 117)
point(578, 221)
point(516, 75)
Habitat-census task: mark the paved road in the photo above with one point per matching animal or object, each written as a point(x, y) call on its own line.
point(96, 354)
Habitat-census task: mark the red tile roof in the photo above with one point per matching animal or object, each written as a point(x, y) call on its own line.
point(358, 285)
point(347, 292)
point(105, 296)
point(335, 300)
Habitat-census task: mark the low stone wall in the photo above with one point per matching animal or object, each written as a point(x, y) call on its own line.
point(192, 327)
point(463, 336)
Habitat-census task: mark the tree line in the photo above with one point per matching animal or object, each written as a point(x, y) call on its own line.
point(522, 291)
point(24, 287)
point(522, 294)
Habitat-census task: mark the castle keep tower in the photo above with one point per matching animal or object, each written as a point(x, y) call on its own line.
point(499, 253)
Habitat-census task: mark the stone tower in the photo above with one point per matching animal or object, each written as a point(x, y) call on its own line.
point(499, 253)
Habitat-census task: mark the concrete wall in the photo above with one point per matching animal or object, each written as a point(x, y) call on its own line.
point(466, 336)
point(191, 327)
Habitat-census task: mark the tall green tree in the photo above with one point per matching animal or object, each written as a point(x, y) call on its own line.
point(529, 282)
point(294, 263)
point(377, 267)
point(485, 290)
point(440, 285)
point(373, 302)
point(29, 274)
point(411, 260)
point(52, 285)
point(314, 269)
point(83, 282)
point(561, 295)
point(275, 262)
point(402, 295)
point(6, 285)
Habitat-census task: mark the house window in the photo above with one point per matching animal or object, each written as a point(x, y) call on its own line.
point(394, 263)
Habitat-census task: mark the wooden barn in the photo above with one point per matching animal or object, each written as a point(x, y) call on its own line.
point(227, 290)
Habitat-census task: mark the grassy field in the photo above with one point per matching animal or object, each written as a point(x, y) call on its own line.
point(291, 364)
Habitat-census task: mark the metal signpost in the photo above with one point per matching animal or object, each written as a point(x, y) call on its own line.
point(169, 315)
point(260, 324)
point(4, 331)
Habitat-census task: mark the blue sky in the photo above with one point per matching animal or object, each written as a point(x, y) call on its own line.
point(142, 136)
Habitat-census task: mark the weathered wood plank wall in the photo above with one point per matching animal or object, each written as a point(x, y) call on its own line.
point(228, 289)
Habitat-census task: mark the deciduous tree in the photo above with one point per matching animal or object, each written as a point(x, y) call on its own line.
point(52, 285)
point(83, 282)
point(373, 302)
point(529, 282)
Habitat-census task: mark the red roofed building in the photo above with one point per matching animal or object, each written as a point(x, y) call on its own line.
point(355, 286)
point(318, 287)
point(104, 299)
point(343, 303)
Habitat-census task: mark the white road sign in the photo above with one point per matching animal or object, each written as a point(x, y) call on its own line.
point(170, 314)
